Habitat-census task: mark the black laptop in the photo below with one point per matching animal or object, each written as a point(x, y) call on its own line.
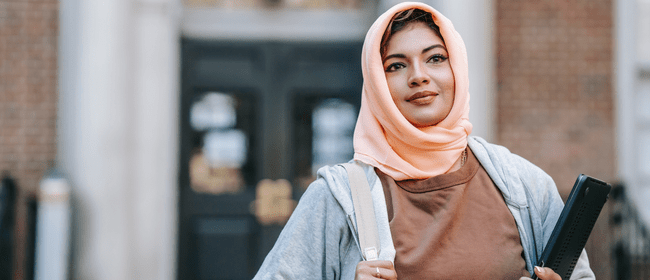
point(574, 225)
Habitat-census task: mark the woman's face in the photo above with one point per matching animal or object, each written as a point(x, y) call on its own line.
point(419, 75)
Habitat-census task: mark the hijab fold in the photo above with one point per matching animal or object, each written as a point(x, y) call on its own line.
point(383, 137)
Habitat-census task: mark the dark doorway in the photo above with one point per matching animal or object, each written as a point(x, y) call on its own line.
point(254, 111)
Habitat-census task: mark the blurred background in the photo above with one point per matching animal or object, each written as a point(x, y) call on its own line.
point(170, 139)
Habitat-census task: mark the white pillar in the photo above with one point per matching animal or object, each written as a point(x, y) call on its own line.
point(474, 20)
point(117, 134)
point(624, 73)
point(630, 123)
point(156, 130)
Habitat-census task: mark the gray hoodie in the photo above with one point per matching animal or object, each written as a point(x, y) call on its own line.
point(320, 242)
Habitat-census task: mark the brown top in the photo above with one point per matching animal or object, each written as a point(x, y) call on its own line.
point(453, 226)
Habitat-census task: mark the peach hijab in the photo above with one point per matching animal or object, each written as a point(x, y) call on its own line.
point(383, 137)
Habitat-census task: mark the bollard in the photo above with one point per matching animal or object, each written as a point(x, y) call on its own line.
point(7, 209)
point(53, 216)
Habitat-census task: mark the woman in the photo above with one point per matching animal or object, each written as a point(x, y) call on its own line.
point(447, 206)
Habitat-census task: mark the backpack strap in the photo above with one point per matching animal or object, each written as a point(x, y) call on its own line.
point(364, 211)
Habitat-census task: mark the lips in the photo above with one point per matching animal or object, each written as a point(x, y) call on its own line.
point(422, 98)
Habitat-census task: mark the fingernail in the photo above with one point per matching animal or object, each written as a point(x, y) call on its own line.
point(539, 269)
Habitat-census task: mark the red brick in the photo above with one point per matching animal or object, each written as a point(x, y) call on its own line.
point(555, 95)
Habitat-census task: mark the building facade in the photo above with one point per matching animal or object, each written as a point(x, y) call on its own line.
point(166, 115)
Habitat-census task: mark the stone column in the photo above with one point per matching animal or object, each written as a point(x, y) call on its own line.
point(117, 134)
point(474, 20)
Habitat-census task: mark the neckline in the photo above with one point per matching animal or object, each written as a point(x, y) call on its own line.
point(443, 181)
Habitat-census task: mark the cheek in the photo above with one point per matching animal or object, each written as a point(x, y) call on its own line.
point(393, 88)
point(451, 80)
point(451, 85)
point(446, 79)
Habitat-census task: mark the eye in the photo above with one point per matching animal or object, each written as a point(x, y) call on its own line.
point(437, 58)
point(394, 67)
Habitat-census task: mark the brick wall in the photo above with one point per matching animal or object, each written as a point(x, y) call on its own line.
point(555, 95)
point(28, 81)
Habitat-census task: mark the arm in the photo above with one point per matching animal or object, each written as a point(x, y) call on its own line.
point(312, 241)
point(548, 204)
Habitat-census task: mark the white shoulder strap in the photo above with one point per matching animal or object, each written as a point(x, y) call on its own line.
point(364, 211)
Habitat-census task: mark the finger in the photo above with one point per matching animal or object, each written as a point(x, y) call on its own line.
point(376, 270)
point(546, 273)
point(380, 273)
point(378, 263)
point(387, 273)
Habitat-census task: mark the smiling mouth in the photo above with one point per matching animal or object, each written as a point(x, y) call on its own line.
point(422, 98)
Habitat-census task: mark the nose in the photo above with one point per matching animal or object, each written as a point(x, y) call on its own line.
point(417, 76)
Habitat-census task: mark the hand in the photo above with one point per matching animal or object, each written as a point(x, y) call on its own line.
point(368, 270)
point(545, 273)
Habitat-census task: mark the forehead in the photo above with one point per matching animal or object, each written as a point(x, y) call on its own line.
point(416, 35)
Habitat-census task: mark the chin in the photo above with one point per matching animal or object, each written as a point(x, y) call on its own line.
point(426, 123)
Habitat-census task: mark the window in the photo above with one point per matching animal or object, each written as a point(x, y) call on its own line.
point(219, 159)
point(323, 132)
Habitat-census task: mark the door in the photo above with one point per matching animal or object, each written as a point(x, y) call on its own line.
point(249, 112)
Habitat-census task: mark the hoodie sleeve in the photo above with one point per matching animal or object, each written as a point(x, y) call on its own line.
point(545, 200)
point(304, 249)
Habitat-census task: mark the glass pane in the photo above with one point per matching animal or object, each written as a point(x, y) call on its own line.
point(333, 127)
point(323, 131)
point(220, 153)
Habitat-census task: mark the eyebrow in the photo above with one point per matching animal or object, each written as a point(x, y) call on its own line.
point(399, 55)
point(433, 47)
